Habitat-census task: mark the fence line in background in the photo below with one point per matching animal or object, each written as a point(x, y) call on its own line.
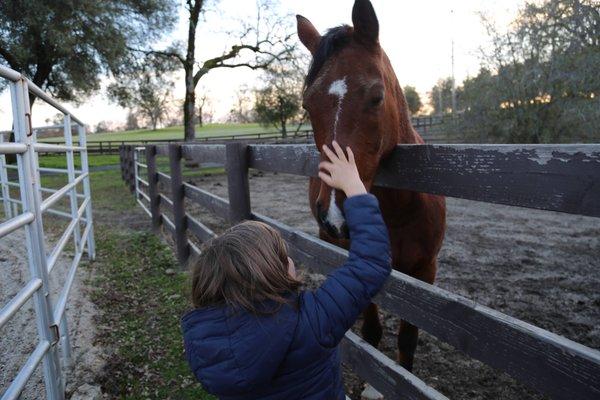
point(429, 127)
point(563, 178)
point(27, 213)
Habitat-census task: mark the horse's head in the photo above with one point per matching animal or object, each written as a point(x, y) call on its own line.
point(351, 95)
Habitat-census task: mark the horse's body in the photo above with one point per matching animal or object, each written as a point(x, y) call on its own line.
point(353, 96)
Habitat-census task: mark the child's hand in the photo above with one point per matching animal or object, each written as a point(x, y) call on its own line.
point(341, 172)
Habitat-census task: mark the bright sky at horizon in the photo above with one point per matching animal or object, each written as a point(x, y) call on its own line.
point(417, 37)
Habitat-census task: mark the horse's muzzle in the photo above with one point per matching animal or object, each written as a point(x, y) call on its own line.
point(332, 230)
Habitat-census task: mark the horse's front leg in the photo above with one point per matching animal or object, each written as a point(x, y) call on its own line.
point(371, 329)
point(408, 334)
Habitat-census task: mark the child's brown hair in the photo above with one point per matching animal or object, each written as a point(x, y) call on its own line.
point(246, 265)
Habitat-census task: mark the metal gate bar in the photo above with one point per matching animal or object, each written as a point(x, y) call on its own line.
point(50, 316)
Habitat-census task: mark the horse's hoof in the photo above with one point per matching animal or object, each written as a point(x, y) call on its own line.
point(370, 394)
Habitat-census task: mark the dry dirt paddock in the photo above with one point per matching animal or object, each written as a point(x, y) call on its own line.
point(538, 266)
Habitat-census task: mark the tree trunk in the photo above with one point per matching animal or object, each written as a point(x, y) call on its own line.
point(200, 121)
point(189, 106)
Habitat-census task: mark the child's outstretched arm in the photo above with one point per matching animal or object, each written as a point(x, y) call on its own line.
point(334, 307)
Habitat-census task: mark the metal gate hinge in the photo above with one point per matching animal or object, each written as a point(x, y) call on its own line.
point(55, 334)
point(30, 133)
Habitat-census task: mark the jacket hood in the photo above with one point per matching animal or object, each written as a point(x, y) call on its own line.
point(232, 353)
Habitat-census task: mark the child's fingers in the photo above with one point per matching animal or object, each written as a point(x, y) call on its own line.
point(339, 151)
point(330, 154)
point(326, 178)
point(326, 165)
point(350, 155)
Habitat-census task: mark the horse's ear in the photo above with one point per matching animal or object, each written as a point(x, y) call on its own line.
point(364, 19)
point(308, 34)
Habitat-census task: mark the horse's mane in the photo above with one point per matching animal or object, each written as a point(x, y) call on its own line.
point(334, 40)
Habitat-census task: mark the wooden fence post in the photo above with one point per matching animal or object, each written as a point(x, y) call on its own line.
point(126, 165)
point(122, 162)
point(177, 196)
point(237, 182)
point(153, 187)
point(131, 169)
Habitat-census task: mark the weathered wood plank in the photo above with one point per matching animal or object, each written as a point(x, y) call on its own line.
point(286, 158)
point(162, 150)
point(563, 178)
point(178, 203)
point(389, 378)
point(164, 179)
point(131, 168)
point(540, 359)
point(215, 204)
point(169, 225)
point(201, 231)
point(205, 153)
point(165, 202)
point(122, 161)
point(152, 186)
point(237, 182)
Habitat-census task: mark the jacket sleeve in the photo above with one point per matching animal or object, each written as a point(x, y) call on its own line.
point(333, 308)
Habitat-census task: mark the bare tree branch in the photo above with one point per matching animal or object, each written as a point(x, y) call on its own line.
point(161, 53)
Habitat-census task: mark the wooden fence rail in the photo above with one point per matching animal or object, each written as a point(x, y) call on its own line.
point(560, 178)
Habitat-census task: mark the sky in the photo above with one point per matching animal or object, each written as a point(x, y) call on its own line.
point(416, 35)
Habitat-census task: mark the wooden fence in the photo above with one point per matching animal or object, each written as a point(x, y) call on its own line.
point(563, 178)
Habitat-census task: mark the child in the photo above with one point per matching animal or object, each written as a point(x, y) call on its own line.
point(253, 334)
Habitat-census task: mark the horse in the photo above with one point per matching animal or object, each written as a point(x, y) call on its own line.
point(352, 95)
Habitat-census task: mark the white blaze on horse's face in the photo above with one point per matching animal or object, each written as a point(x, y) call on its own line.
point(338, 88)
point(334, 214)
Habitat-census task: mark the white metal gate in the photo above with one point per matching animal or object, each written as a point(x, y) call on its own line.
point(26, 211)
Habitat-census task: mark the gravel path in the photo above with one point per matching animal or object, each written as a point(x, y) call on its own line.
point(538, 266)
point(19, 337)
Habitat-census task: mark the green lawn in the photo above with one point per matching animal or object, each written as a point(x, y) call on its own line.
point(94, 160)
point(175, 132)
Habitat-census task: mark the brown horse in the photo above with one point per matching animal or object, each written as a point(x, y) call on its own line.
point(352, 95)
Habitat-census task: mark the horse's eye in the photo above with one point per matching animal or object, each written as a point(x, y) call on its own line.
point(376, 100)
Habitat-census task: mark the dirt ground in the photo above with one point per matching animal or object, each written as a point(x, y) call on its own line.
point(541, 267)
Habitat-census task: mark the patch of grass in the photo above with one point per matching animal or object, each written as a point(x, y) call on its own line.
point(174, 132)
point(142, 305)
point(94, 160)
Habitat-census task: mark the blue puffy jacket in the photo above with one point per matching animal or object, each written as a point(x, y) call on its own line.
point(294, 353)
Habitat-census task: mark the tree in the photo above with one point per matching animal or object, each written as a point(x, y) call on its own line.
point(64, 47)
point(242, 111)
point(57, 119)
point(256, 48)
point(132, 121)
point(280, 100)
point(203, 105)
point(412, 99)
point(440, 97)
point(539, 81)
point(147, 89)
